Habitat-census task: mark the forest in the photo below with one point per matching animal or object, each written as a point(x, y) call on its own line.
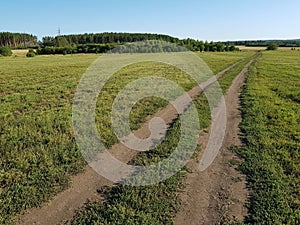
point(104, 42)
point(17, 40)
point(263, 43)
point(89, 42)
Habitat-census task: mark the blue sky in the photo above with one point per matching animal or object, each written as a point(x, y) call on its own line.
point(203, 20)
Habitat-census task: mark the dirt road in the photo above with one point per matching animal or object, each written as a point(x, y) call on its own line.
point(218, 193)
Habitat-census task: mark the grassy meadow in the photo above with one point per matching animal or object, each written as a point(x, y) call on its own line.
point(271, 118)
point(38, 150)
point(154, 204)
point(39, 153)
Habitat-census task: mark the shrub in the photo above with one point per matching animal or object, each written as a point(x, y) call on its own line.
point(31, 53)
point(272, 47)
point(4, 51)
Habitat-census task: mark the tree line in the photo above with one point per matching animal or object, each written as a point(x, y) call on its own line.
point(74, 49)
point(103, 38)
point(15, 40)
point(265, 43)
point(148, 46)
point(104, 42)
point(23, 40)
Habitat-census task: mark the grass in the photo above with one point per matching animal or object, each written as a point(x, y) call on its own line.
point(225, 81)
point(145, 107)
point(219, 61)
point(270, 107)
point(38, 150)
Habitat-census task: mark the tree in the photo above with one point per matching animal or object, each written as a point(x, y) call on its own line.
point(220, 47)
point(48, 41)
point(233, 48)
point(201, 46)
point(61, 41)
point(206, 46)
point(212, 47)
point(4, 51)
point(272, 46)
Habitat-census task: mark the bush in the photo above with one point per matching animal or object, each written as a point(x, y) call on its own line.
point(4, 51)
point(89, 48)
point(272, 47)
point(56, 50)
point(31, 53)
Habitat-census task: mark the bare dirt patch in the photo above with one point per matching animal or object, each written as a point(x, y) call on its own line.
point(20, 52)
point(253, 48)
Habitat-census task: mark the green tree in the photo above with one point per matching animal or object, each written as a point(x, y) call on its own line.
point(201, 46)
point(220, 47)
point(61, 41)
point(48, 41)
point(233, 48)
point(272, 46)
point(206, 46)
point(4, 51)
point(212, 47)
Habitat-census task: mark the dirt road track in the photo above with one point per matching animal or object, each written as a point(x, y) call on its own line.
point(220, 191)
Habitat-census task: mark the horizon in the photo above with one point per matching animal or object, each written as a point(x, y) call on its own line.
point(213, 21)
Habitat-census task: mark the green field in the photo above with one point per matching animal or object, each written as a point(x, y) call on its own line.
point(271, 130)
point(39, 153)
point(38, 150)
point(154, 204)
point(150, 112)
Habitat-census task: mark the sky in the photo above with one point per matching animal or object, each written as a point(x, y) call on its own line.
point(212, 20)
